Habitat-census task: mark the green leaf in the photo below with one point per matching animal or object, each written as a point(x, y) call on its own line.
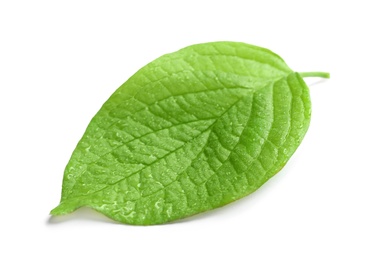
point(189, 132)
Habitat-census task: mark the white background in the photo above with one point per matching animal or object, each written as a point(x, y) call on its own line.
point(59, 61)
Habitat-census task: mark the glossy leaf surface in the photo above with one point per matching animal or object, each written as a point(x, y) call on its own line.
point(189, 132)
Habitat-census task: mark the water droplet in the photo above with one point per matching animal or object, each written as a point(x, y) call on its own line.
point(158, 204)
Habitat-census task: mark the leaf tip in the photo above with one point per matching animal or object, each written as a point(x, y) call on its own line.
point(64, 208)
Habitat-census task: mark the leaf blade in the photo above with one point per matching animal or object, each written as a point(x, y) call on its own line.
point(192, 151)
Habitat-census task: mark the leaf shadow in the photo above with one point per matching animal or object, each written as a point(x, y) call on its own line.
point(81, 214)
point(225, 210)
point(316, 82)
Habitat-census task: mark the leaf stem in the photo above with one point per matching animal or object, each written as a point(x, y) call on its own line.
point(325, 75)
